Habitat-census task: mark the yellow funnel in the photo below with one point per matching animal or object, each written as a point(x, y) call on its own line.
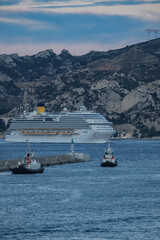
point(40, 110)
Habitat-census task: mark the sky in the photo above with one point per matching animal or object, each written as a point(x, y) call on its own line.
point(30, 26)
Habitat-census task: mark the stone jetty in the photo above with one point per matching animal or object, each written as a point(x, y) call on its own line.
point(48, 160)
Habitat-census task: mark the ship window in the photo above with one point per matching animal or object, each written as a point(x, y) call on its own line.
point(48, 119)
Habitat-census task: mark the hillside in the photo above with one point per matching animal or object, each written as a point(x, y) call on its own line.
point(122, 84)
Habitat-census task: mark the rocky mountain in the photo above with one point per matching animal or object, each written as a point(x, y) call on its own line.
point(123, 84)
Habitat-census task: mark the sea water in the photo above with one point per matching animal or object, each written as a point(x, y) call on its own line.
point(83, 201)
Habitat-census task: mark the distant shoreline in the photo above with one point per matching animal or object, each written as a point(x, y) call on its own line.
point(153, 138)
point(2, 136)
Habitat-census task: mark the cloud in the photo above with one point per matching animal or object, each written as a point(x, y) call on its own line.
point(144, 12)
point(32, 24)
point(148, 11)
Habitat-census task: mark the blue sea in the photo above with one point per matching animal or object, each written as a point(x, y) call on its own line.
point(83, 201)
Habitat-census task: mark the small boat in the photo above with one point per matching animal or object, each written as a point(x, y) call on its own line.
point(28, 166)
point(109, 158)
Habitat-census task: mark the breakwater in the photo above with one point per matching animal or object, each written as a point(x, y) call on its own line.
point(48, 160)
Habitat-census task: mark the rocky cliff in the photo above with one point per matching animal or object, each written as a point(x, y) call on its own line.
point(122, 84)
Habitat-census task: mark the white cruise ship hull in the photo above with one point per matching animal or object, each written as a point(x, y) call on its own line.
point(82, 138)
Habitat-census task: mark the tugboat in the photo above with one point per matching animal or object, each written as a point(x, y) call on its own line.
point(109, 158)
point(28, 166)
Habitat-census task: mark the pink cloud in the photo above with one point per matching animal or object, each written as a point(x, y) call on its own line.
point(150, 12)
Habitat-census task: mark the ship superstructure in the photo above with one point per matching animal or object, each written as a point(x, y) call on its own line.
point(83, 126)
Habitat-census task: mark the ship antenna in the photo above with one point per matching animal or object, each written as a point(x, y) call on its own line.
point(109, 146)
point(28, 145)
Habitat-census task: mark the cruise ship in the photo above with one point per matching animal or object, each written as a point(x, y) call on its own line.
point(38, 126)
